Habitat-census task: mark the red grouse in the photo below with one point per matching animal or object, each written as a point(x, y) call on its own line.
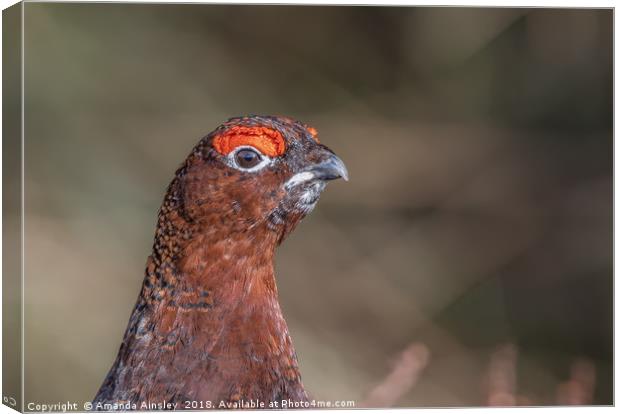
point(207, 326)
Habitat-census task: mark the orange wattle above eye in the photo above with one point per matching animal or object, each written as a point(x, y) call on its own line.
point(268, 141)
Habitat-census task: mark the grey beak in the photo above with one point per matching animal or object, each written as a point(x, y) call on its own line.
point(330, 169)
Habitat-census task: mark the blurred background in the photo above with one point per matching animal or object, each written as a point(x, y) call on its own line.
point(477, 224)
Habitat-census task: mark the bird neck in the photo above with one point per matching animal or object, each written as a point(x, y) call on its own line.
point(220, 285)
point(207, 252)
point(201, 257)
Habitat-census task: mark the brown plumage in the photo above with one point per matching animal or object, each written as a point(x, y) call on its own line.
point(207, 325)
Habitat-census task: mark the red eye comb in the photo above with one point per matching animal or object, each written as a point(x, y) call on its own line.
point(268, 141)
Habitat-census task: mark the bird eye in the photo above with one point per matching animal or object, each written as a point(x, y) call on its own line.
point(247, 158)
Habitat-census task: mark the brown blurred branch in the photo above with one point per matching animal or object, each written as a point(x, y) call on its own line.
point(579, 389)
point(402, 378)
point(501, 381)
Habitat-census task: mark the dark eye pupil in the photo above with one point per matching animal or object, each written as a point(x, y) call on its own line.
point(246, 158)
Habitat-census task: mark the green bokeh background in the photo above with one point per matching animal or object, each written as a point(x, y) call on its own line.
point(479, 210)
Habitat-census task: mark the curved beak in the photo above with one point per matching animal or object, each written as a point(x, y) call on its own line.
point(329, 169)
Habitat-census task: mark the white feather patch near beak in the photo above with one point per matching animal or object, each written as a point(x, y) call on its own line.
point(299, 178)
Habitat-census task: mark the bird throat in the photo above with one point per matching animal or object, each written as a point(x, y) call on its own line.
point(209, 303)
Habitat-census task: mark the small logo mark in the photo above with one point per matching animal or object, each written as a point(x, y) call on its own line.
point(10, 401)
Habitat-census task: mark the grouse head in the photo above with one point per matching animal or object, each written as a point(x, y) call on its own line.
point(257, 173)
